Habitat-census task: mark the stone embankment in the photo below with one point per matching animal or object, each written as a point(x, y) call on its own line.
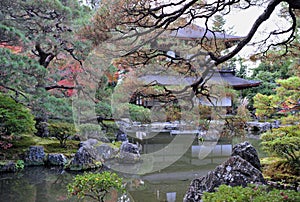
point(91, 154)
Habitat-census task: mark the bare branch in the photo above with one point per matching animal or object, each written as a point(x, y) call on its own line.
point(61, 87)
point(291, 36)
point(17, 92)
point(263, 17)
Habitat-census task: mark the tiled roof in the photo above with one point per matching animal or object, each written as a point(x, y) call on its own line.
point(196, 32)
point(236, 82)
point(222, 77)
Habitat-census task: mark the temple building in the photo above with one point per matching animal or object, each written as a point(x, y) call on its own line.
point(210, 41)
point(226, 78)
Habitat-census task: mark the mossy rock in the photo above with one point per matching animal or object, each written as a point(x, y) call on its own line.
point(85, 159)
point(11, 165)
point(35, 156)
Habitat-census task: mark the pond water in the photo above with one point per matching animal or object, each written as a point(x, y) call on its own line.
point(41, 184)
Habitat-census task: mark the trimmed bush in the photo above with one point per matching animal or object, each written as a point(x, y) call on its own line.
point(284, 142)
point(96, 186)
point(139, 114)
point(61, 131)
point(252, 193)
point(15, 119)
point(89, 130)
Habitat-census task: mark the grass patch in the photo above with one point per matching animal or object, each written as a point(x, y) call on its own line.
point(54, 147)
point(51, 145)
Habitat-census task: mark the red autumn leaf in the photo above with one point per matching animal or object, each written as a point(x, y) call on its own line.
point(14, 49)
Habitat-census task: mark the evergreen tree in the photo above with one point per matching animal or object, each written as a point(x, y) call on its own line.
point(267, 72)
point(46, 32)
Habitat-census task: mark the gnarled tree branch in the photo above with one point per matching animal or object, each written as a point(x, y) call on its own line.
point(263, 17)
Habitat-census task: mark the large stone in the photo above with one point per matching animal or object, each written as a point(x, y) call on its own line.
point(56, 160)
point(258, 126)
point(88, 143)
point(130, 148)
point(233, 172)
point(86, 158)
point(92, 154)
point(106, 151)
point(248, 153)
point(8, 166)
point(242, 168)
point(35, 156)
point(129, 153)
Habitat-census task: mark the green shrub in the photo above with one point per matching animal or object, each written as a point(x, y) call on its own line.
point(15, 119)
point(265, 105)
point(111, 129)
point(284, 142)
point(139, 114)
point(132, 111)
point(103, 109)
point(61, 131)
point(20, 165)
point(88, 130)
point(96, 186)
point(251, 193)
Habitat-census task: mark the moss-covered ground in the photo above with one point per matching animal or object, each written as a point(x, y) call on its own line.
point(51, 145)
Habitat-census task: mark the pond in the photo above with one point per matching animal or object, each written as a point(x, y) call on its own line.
point(169, 184)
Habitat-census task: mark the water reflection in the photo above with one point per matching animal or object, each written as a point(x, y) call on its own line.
point(215, 156)
point(169, 184)
point(171, 196)
point(199, 153)
point(37, 184)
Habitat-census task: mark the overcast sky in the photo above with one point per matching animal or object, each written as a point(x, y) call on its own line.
point(242, 22)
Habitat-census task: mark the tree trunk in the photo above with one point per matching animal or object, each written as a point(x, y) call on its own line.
point(41, 116)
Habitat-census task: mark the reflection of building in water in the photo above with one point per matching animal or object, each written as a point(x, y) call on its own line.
point(140, 135)
point(171, 196)
point(216, 156)
point(170, 184)
point(199, 153)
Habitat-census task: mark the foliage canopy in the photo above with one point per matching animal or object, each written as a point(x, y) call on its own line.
point(95, 186)
point(284, 142)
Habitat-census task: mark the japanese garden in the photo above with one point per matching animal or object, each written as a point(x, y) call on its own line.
point(149, 100)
